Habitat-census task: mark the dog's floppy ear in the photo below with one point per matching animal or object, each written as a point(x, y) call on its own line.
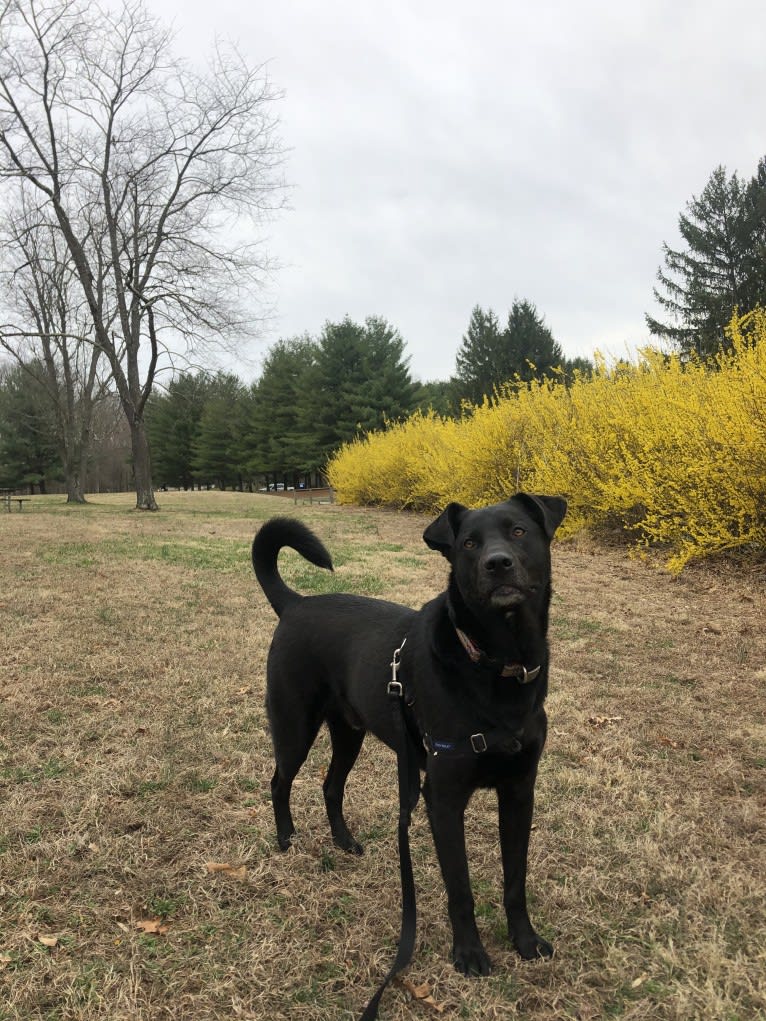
point(548, 511)
point(440, 534)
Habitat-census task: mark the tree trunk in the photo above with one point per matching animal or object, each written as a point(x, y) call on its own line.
point(75, 466)
point(74, 493)
point(142, 466)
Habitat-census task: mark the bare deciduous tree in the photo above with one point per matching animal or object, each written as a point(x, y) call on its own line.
point(152, 171)
point(51, 336)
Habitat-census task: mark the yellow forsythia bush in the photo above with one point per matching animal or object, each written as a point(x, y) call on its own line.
point(673, 452)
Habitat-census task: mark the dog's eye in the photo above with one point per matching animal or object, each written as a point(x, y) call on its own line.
point(469, 544)
point(519, 531)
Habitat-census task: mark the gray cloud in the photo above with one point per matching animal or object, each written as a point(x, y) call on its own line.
point(444, 156)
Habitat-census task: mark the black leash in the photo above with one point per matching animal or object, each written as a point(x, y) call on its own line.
point(405, 764)
point(409, 787)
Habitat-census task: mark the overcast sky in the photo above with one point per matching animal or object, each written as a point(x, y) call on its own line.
point(446, 154)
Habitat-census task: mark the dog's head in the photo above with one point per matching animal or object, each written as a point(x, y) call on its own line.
point(500, 555)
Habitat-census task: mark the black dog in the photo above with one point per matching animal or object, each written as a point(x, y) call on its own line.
point(474, 669)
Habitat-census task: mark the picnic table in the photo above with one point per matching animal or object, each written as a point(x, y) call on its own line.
point(8, 498)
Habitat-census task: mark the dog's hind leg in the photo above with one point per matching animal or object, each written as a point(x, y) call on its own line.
point(346, 743)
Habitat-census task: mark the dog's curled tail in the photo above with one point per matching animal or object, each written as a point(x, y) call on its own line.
point(269, 540)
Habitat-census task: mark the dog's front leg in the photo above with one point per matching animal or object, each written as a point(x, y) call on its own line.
point(515, 803)
point(446, 802)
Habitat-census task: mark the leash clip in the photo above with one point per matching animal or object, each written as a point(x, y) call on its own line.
point(395, 688)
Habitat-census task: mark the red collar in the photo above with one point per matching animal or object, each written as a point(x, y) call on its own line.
point(476, 655)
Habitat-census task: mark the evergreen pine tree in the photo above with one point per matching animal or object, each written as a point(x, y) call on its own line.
point(28, 445)
point(478, 365)
point(216, 448)
point(755, 218)
point(277, 439)
point(173, 423)
point(489, 357)
point(530, 352)
point(720, 268)
point(359, 379)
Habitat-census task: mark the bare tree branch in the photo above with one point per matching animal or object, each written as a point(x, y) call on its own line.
point(158, 177)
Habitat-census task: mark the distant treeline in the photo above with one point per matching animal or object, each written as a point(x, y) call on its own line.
point(315, 394)
point(311, 395)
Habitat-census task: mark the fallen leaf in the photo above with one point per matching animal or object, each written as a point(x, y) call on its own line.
point(152, 925)
point(670, 743)
point(638, 981)
point(47, 941)
point(602, 721)
point(5, 959)
point(423, 994)
point(233, 871)
point(251, 812)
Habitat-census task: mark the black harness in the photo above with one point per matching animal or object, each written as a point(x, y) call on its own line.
point(407, 736)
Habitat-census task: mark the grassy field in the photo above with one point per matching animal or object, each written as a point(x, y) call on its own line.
point(139, 876)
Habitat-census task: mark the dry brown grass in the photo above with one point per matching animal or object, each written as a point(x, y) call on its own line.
point(135, 751)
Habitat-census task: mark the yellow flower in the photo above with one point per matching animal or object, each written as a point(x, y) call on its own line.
point(674, 453)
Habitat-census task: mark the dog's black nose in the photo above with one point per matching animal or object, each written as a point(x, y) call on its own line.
point(498, 562)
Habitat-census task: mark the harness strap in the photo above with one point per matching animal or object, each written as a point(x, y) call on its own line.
point(475, 744)
point(405, 761)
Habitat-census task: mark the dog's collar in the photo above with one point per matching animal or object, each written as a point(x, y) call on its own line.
point(517, 670)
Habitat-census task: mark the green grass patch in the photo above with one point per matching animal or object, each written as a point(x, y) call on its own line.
point(52, 769)
point(309, 580)
point(198, 555)
point(569, 628)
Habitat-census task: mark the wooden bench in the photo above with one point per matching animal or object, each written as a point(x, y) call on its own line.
point(8, 500)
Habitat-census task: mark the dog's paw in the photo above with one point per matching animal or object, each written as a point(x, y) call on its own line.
point(471, 960)
point(532, 946)
point(343, 838)
point(349, 844)
point(285, 840)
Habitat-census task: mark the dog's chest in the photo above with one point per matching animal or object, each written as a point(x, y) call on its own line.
point(487, 720)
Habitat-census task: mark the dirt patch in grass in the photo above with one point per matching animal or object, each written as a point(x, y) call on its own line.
point(134, 753)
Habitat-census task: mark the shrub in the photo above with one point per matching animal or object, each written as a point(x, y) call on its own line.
point(673, 452)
